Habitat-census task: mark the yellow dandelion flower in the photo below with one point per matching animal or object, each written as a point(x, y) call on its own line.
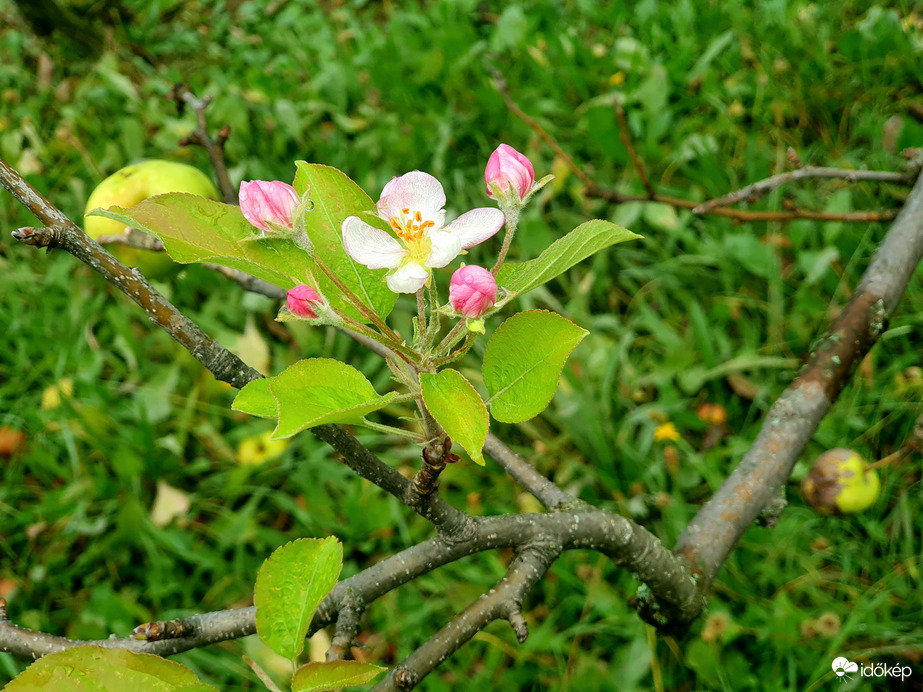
point(667, 431)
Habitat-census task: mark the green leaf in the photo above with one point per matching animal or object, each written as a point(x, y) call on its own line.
point(458, 408)
point(585, 240)
point(523, 362)
point(256, 399)
point(335, 198)
point(95, 669)
point(196, 229)
point(332, 675)
point(290, 585)
point(322, 390)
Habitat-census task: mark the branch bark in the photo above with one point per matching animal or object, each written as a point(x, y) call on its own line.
point(502, 601)
point(542, 489)
point(792, 420)
point(623, 541)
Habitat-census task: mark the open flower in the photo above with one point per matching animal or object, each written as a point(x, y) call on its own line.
point(413, 207)
point(269, 205)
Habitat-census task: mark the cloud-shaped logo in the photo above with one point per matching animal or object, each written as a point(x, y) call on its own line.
point(841, 666)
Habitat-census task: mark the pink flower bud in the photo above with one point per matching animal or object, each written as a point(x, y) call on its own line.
point(472, 291)
point(507, 169)
point(301, 301)
point(268, 205)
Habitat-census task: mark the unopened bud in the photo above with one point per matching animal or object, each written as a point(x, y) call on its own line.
point(303, 301)
point(508, 170)
point(269, 205)
point(472, 291)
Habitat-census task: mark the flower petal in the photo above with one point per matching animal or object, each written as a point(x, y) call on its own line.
point(444, 247)
point(416, 191)
point(476, 226)
point(371, 246)
point(409, 278)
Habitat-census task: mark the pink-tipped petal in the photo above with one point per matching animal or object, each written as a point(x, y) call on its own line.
point(409, 278)
point(371, 246)
point(416, 191)
point(476, 226)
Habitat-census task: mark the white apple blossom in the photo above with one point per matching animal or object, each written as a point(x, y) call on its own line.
point(413, 206)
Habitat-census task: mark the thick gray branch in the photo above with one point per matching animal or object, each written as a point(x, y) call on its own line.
point(626, 543)
point(761, 475)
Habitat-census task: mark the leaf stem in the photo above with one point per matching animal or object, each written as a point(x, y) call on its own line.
point(389, 430)
point(364, 309)
point(469, 342)
point(421, 319)
point(409, 355)
point(451, 338)
point(512, 221)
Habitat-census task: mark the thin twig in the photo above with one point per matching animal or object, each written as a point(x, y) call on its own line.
point(546, 492)
point(246, 281)
point(596, 191)
point(746, 214)
point(182, 94)
point(753, 192)
point(913, 443)
point(132, 237)
point(500, 83)
point(625, 135)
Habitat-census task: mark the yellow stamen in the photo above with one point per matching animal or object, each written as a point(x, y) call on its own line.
point(410, 228)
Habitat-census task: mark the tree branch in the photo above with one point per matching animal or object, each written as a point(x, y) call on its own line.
point(751, 193)
point(745, 214)
point(793, 419)
point(502, 601)
point(594, 190)
point(182, 94)
point(623, 541)
point(546, 492)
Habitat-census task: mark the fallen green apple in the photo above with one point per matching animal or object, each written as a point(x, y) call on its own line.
point(840, 483)
point(131, 185)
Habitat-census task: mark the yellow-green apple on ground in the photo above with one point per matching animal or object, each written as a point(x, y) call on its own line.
point(133, 184)
point(840, 483)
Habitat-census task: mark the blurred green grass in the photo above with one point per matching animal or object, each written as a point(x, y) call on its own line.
point(715, 95)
